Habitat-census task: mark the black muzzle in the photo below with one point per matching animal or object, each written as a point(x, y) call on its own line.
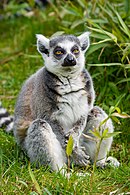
point(69, 61)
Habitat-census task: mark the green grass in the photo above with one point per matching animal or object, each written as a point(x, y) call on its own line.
point(16, 179)
point(18, 60)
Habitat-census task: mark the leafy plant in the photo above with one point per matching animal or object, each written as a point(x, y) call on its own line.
point(110, 34)
point(13, 8)
point(114, 112)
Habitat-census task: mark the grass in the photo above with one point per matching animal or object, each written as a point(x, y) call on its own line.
point(18, 60)
point(16, 179)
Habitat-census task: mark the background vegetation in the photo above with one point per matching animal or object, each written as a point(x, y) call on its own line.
point(108, 61)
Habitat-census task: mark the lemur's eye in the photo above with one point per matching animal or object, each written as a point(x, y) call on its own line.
point(58, 52)
point(76, 51)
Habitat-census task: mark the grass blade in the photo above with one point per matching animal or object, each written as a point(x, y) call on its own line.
point(100, 30)
point(106, 64)
point(125, 28)
point(34, 180)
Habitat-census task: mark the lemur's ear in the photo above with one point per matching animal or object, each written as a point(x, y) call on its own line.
point(84, 41)
point(42, 44)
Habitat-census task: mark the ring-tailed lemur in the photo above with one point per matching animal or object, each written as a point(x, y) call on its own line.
point(58, 101)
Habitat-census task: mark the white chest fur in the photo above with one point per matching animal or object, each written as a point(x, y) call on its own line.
point(72, 102)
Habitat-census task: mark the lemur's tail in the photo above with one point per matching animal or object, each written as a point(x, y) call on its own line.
point(6, 120)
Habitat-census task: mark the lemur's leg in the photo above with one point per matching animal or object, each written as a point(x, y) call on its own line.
point(95, 117)
point(43, 147)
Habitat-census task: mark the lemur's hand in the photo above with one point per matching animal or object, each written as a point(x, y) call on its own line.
point(79, 157)
point(71, 132)
point(77, 128)
point(75, 136)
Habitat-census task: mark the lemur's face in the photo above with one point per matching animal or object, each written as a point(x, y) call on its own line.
point(64, 55)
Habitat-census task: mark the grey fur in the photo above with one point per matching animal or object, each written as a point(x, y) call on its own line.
point(95, 117)
point(54, 41)
point(57, 102)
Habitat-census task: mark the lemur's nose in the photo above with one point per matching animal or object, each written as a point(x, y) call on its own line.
point(69, 60)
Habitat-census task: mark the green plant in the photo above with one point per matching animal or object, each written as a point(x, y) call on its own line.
point(114, 112)
point(69, 149)
point(110, 34)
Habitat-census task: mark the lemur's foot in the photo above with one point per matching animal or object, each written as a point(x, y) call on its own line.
point(110, 161)
point(80, 158)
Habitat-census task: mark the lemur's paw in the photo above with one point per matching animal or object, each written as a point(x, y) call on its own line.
point(80, 158)
point(111, 161)
point(70, 132)
point(95, 112)
point(101, 163)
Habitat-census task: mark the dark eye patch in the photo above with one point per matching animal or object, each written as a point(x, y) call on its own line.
point(58, 52)
point(75, 50)
point(43, 49)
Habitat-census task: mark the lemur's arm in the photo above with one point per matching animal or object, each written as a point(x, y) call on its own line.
point(79, 157)
point(77, 130)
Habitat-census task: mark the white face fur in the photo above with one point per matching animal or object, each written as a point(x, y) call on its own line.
point(64, 55)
